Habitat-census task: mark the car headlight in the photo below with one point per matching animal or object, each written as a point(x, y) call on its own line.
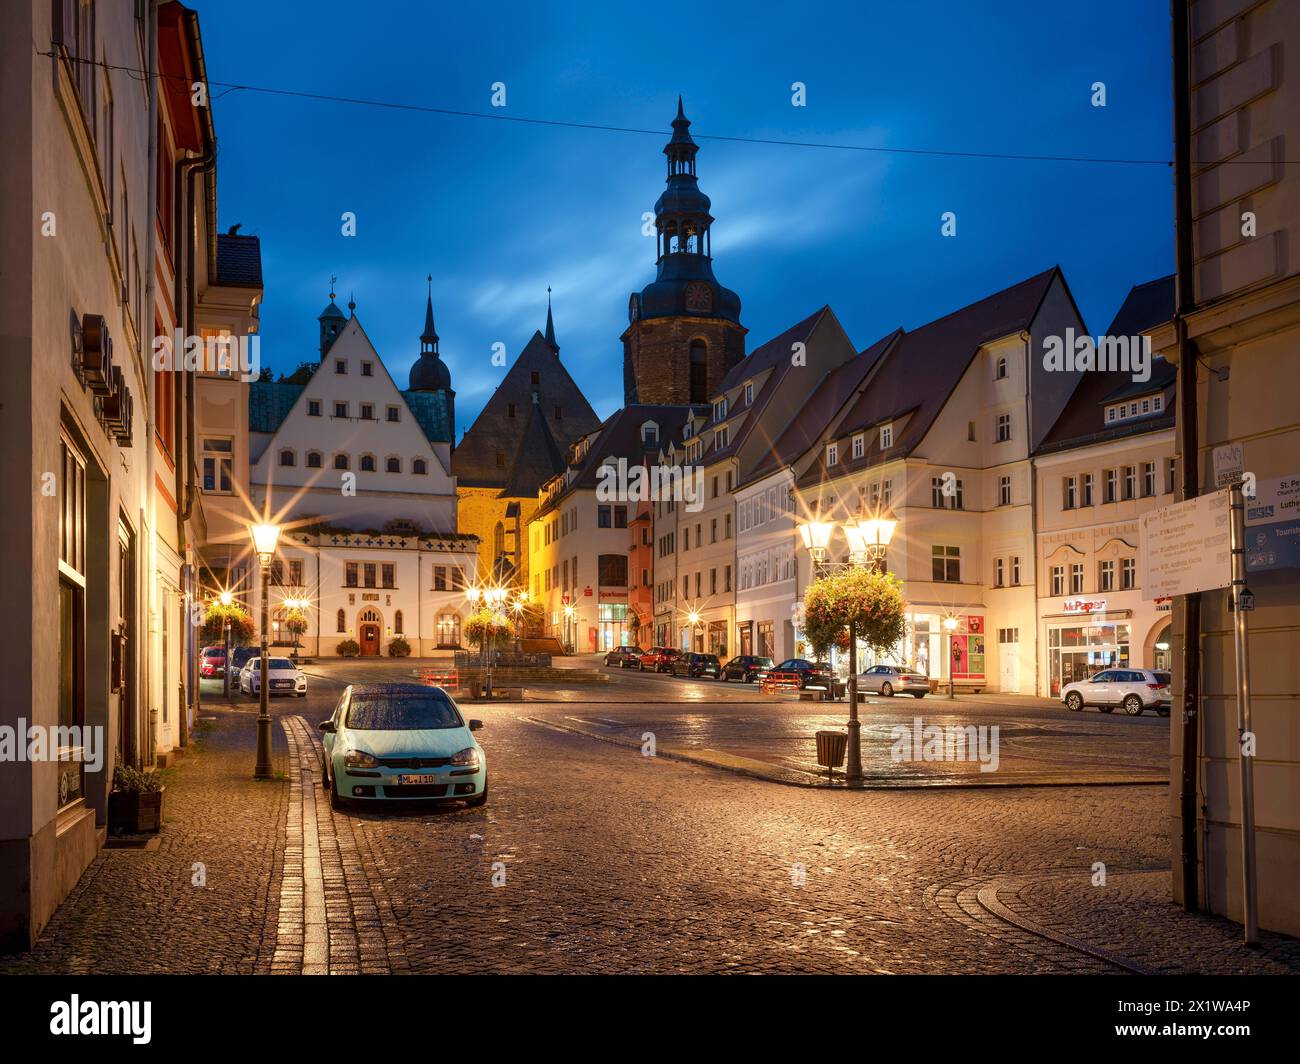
point(360, 759)
point(467, 758)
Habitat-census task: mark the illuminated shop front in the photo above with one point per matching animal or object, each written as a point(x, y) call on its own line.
point(1081, 647)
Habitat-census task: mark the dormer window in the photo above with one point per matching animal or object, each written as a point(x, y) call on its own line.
point(1151, 404)
point(886, 436)
point(859, 445)
point(720, 409)
point(749, 393)
point(650, 434)
point(832, 453)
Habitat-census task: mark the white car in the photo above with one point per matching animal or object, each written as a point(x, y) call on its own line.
point(889, 680)
point(286, 677)
point(1134, 689)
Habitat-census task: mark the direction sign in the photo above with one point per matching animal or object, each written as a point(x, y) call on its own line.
point(1186, 547)
point(1229, 464)
point(1273, 525)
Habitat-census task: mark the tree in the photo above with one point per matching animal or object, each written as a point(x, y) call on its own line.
point(301, 375)
point(870, 601)
point(214, 625)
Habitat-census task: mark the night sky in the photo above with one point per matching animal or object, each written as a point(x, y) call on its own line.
point(496, 211)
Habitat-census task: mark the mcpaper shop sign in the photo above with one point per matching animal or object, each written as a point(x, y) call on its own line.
point(1084, 606)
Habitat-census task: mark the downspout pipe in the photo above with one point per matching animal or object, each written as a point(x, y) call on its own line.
point(1188, 448)
point(146, 577)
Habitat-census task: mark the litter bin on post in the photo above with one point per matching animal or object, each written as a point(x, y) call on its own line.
point(830, 750)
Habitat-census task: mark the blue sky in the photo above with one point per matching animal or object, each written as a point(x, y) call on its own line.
point(496, 211)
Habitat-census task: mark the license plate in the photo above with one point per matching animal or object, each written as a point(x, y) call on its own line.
point(281, 683)
point(414, 781)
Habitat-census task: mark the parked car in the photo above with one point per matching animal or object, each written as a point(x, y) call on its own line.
point(1134, 689)
point(212, 662)
point(697, 665)
point(658, 659)
point(624, 657)
point(241, 656)
point(286, 677)
point(889, 680)
point(401, 742)
point(808, 673)
point(747, 668)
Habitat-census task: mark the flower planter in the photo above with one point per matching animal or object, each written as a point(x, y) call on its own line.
point(135, 813)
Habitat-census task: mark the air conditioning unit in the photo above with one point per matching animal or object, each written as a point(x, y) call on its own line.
point(96, 354)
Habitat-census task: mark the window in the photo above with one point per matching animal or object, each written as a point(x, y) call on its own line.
point(1086, 490)
point(1008, 635)
point(1148, 478)
point(419, 466)
point(501, 459)
point(340, 409)
point(510, 409)
point(218, 462)
point(946, 564)
point(1068, 501)
point(1110, 485)
point(604, 517)
point(726, 526)
point(998, 573)
point(1127, 574)
point(650, 434)
point(340, 461)
point(535, 378)
point(393, 413)
point(340, 622)
point(832, 453)
point(1130, 482)
point(1003, 431)
point(859, 445)
point(713, 581)
point(886, 493)
point(1004, 491)
point(713, 531)
point(392, 465)
point(295, 572)
point(936, 492)
point(368, 370)
point(970, 431)
point(620, 517)
point(726, 584)
point(1170, 470)
point(370, 571)
point(351, 574)
point(340, 366)
point(367, 412)
point(749, 393)
point(288, 458)
point(886, 437)
point(559, 413)
point(72, 615)
point(1000, 370)
point(367, 463)
point(721, 437)
point(1106, 576)
point(1076, 578)
point(613, 570)
point(1015, 572)
point(397, 623)
point(720, 409)
point(1058, 579)
point(313, 408)
point(388, 574)
point(439, 578)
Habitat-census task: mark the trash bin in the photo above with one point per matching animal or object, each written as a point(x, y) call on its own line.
point(830, 750)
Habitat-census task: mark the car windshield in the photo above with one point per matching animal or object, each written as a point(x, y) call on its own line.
point(401, 712)
point(275, 664)
point(709, 659)
point(761, 661)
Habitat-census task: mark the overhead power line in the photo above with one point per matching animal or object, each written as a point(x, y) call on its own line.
point(559, 123)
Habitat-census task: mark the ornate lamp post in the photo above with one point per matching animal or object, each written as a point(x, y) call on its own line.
point(226, 599)
point(569, 633)
point(868, 541)
point(693, 619)
point(950, 626)
point(265, 538)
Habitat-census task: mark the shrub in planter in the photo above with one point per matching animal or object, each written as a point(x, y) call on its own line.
point(399, 648)
point(349, 648)
point(135, 803)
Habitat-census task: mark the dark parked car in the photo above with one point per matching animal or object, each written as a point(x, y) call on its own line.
point(747, 668)
point(697, 665)
point(658, 659)
point(807, 673)
point(241, 656)
point(623, 657)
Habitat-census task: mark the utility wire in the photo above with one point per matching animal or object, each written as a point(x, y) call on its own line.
point(780, 142)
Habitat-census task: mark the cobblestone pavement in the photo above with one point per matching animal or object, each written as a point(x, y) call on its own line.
point(591, 858)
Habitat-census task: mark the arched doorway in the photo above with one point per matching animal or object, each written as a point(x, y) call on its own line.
point(448, 629)
point(1159, 648)
point(369, 627)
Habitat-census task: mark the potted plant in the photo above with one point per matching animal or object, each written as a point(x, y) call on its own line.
point(399, 647)
point(348, 648)
point(136, 801)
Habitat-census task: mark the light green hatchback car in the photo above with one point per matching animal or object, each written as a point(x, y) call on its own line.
point(401, 742)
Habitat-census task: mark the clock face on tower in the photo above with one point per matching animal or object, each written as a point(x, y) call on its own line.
point(699, 296)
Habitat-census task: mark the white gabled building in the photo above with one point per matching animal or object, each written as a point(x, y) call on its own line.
point(358, 472)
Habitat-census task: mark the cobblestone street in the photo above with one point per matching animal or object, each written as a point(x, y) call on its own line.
point(592, 858)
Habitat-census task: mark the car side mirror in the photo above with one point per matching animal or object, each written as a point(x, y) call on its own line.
point(475, 725)
point(327, 726)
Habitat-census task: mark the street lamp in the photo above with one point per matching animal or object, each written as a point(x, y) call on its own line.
point(265, 538)
point(226, 599)
point(569, 633)
point(950, 626)
point(868, 541)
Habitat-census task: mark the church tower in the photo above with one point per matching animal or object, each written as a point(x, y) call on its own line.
point(684, 330)
point(430, 373)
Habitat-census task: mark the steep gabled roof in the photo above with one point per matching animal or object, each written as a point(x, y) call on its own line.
point(538, 458)
point(807, 426)
point(269, 404)
point(494, 432)
point(239, 260)
point(1146, 307)
point(431, 411)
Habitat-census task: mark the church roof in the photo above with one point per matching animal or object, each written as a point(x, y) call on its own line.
point(269, 404)
point(431, 411)
point(495, 432)
point(538, 458)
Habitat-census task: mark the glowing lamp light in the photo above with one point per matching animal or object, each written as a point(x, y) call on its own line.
point(950, 623)
point(877, 531)
point(265, 538)
point(473, 594)
point(227, 598)
point(693, 617)
point(816, 534)
point(857, 540)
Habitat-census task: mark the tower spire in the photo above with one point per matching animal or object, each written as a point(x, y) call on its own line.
point(550, 323)
point(429, 338)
